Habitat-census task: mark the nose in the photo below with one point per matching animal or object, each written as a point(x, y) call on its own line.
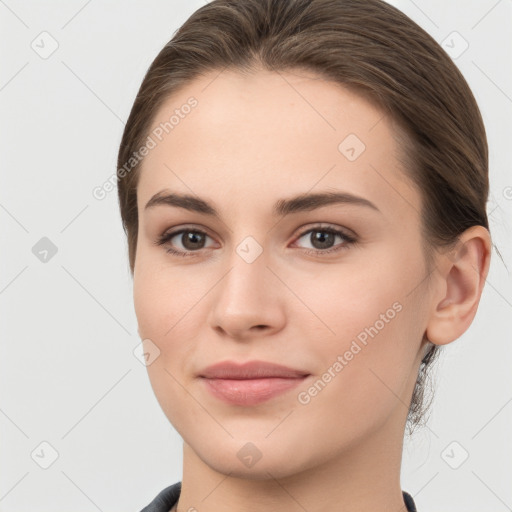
point(247, 302)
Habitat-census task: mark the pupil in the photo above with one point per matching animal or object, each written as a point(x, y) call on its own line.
point(324, 238)
point(192, 238)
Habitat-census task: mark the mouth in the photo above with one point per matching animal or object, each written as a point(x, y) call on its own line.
point(250, 370)
point(248, 392)
point(250, 383)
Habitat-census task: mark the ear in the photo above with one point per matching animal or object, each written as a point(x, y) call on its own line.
point(459, 280)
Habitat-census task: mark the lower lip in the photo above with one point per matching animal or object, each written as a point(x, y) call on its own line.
point(250, 391)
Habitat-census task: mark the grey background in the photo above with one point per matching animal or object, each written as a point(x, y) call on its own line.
point(68, 373)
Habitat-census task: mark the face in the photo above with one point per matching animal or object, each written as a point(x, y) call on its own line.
point(335, 289)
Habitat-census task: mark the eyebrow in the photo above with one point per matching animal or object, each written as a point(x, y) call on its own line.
point(301, 203)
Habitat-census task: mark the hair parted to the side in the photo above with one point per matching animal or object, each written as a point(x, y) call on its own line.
point(368, 46)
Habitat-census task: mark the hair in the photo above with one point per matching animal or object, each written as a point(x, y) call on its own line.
point(367, 46)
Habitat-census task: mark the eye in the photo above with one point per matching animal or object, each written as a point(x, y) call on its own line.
point(322, 239)
point(191, 239)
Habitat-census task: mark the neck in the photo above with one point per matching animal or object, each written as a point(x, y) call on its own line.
point(362, 477)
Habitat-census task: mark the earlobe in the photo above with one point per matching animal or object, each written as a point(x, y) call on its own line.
point(460, 278)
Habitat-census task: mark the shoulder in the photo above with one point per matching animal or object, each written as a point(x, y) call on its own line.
point(165, 499)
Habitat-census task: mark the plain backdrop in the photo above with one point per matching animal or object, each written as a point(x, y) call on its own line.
point(74, 396)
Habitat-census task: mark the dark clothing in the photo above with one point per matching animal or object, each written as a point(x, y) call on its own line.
point(166, 499)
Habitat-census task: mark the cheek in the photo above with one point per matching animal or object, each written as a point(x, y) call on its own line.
point(364, 372)
point(162, 297)
point(372, 322)
point(163, 307)
point(348, 299)
point(149, 304)
point(168, 308)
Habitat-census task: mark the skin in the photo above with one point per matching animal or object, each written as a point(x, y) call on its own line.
point(250, 141)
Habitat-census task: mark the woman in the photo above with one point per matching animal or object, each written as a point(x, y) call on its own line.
point(303, 185)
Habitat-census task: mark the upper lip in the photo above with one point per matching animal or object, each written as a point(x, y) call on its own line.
point(249, 370)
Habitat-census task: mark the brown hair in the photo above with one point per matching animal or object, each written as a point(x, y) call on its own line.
point(366, 45)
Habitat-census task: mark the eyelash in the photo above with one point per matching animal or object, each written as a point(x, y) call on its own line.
point(348, 241)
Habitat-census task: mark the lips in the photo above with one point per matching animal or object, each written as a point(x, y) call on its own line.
point(250, 370)
point(250, 383)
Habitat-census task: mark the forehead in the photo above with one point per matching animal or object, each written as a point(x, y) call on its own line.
point(266, 132)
